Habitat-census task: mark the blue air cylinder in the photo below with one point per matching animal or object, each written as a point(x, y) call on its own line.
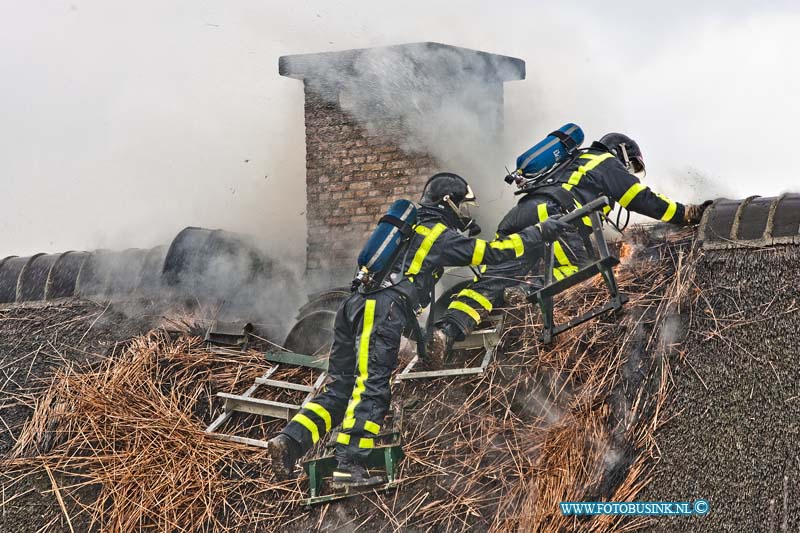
point(553, 149)
point(379, 251)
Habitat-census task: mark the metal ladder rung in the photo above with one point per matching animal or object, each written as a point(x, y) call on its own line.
point(487, 339)
point(257, 406)
point(477, 339)
point(284, 384)
point(242, 440)
point(226, 414)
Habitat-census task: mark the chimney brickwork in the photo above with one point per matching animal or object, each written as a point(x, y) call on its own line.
point(353, 171)
point(352, 177)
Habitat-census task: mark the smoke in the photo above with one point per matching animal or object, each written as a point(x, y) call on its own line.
point(123, 123)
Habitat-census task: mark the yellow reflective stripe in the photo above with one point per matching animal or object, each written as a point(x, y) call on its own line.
point(671, 208)
point(594, 160)
point(514, 242)
point(631, 193)
point(541, 210)
point(366, 443)
point(425, 247)
point(308, 424)
point(478, 297)
point(348, 423)
point(586, 220)
point(558, 275)
point(519, 248)
point(511, 243)
point(477, 255)
point(372, 427)
point(567, 271)
point(343, 438)
point(321, 412)
point(561, 256)
point(422, 230)
point(464, 308)
point(363, 358)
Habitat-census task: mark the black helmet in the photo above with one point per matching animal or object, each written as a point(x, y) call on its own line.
point(625, 149)
point(452, 195)
point(446, 185)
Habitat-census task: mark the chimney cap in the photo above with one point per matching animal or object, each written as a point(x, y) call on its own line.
point(308, 66)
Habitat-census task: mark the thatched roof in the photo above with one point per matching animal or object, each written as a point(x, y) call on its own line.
point(690, 393)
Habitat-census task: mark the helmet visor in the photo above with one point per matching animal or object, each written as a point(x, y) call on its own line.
point(637, 163)
point(470, 198)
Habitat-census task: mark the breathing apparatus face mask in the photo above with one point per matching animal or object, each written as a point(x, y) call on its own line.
point(462, 211)
point(633, 163)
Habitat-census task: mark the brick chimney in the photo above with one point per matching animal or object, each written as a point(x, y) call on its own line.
point(362, 152)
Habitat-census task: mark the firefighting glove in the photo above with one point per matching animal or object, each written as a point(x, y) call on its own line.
point(473, 229)
point(553, 228)
point(694, 212)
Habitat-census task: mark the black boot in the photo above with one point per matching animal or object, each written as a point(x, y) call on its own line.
point(350, 473)
point(285, 452)
point(438, 344)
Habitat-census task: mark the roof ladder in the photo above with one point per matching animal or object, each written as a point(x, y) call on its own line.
point(246, 403)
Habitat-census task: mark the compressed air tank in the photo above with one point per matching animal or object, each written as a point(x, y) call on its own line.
point(379, 251)
point(551, 150)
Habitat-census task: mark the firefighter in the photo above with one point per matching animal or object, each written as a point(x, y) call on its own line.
point(610, 167)
point(368, 327)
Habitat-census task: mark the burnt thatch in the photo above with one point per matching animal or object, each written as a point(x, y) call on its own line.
point(735, 419)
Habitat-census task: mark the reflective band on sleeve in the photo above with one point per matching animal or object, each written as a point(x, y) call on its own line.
point(631, 193)
point(366, 443)
point(671, 208)
point(363, 358)
point(425, 247)
point(514, 242)
point(478, 297)
point(464, 308)
point(321, 412)
point(343, 438)
point(541, 210)
point(372, 427)
point(348, 423)
point(480, 250)
point(307, 423)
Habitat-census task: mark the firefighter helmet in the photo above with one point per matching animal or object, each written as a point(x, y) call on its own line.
point(626, 150)
point(451, 194)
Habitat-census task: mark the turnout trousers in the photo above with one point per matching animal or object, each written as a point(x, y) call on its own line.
point(367, 332)
point(473, 304)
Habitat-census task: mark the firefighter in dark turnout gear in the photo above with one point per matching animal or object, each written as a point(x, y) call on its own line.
point(368, 327)
point(608, 168)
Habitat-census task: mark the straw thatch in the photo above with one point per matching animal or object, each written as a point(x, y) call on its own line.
point(122, 447)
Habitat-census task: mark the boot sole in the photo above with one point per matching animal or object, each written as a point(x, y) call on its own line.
point(278, 454)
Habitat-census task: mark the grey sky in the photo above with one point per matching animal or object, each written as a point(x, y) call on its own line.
point(123, 122)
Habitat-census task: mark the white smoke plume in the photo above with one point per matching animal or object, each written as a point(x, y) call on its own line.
point(124, 122)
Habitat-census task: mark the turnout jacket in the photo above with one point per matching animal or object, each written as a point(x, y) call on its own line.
point(435, 246)
point(593, 174)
